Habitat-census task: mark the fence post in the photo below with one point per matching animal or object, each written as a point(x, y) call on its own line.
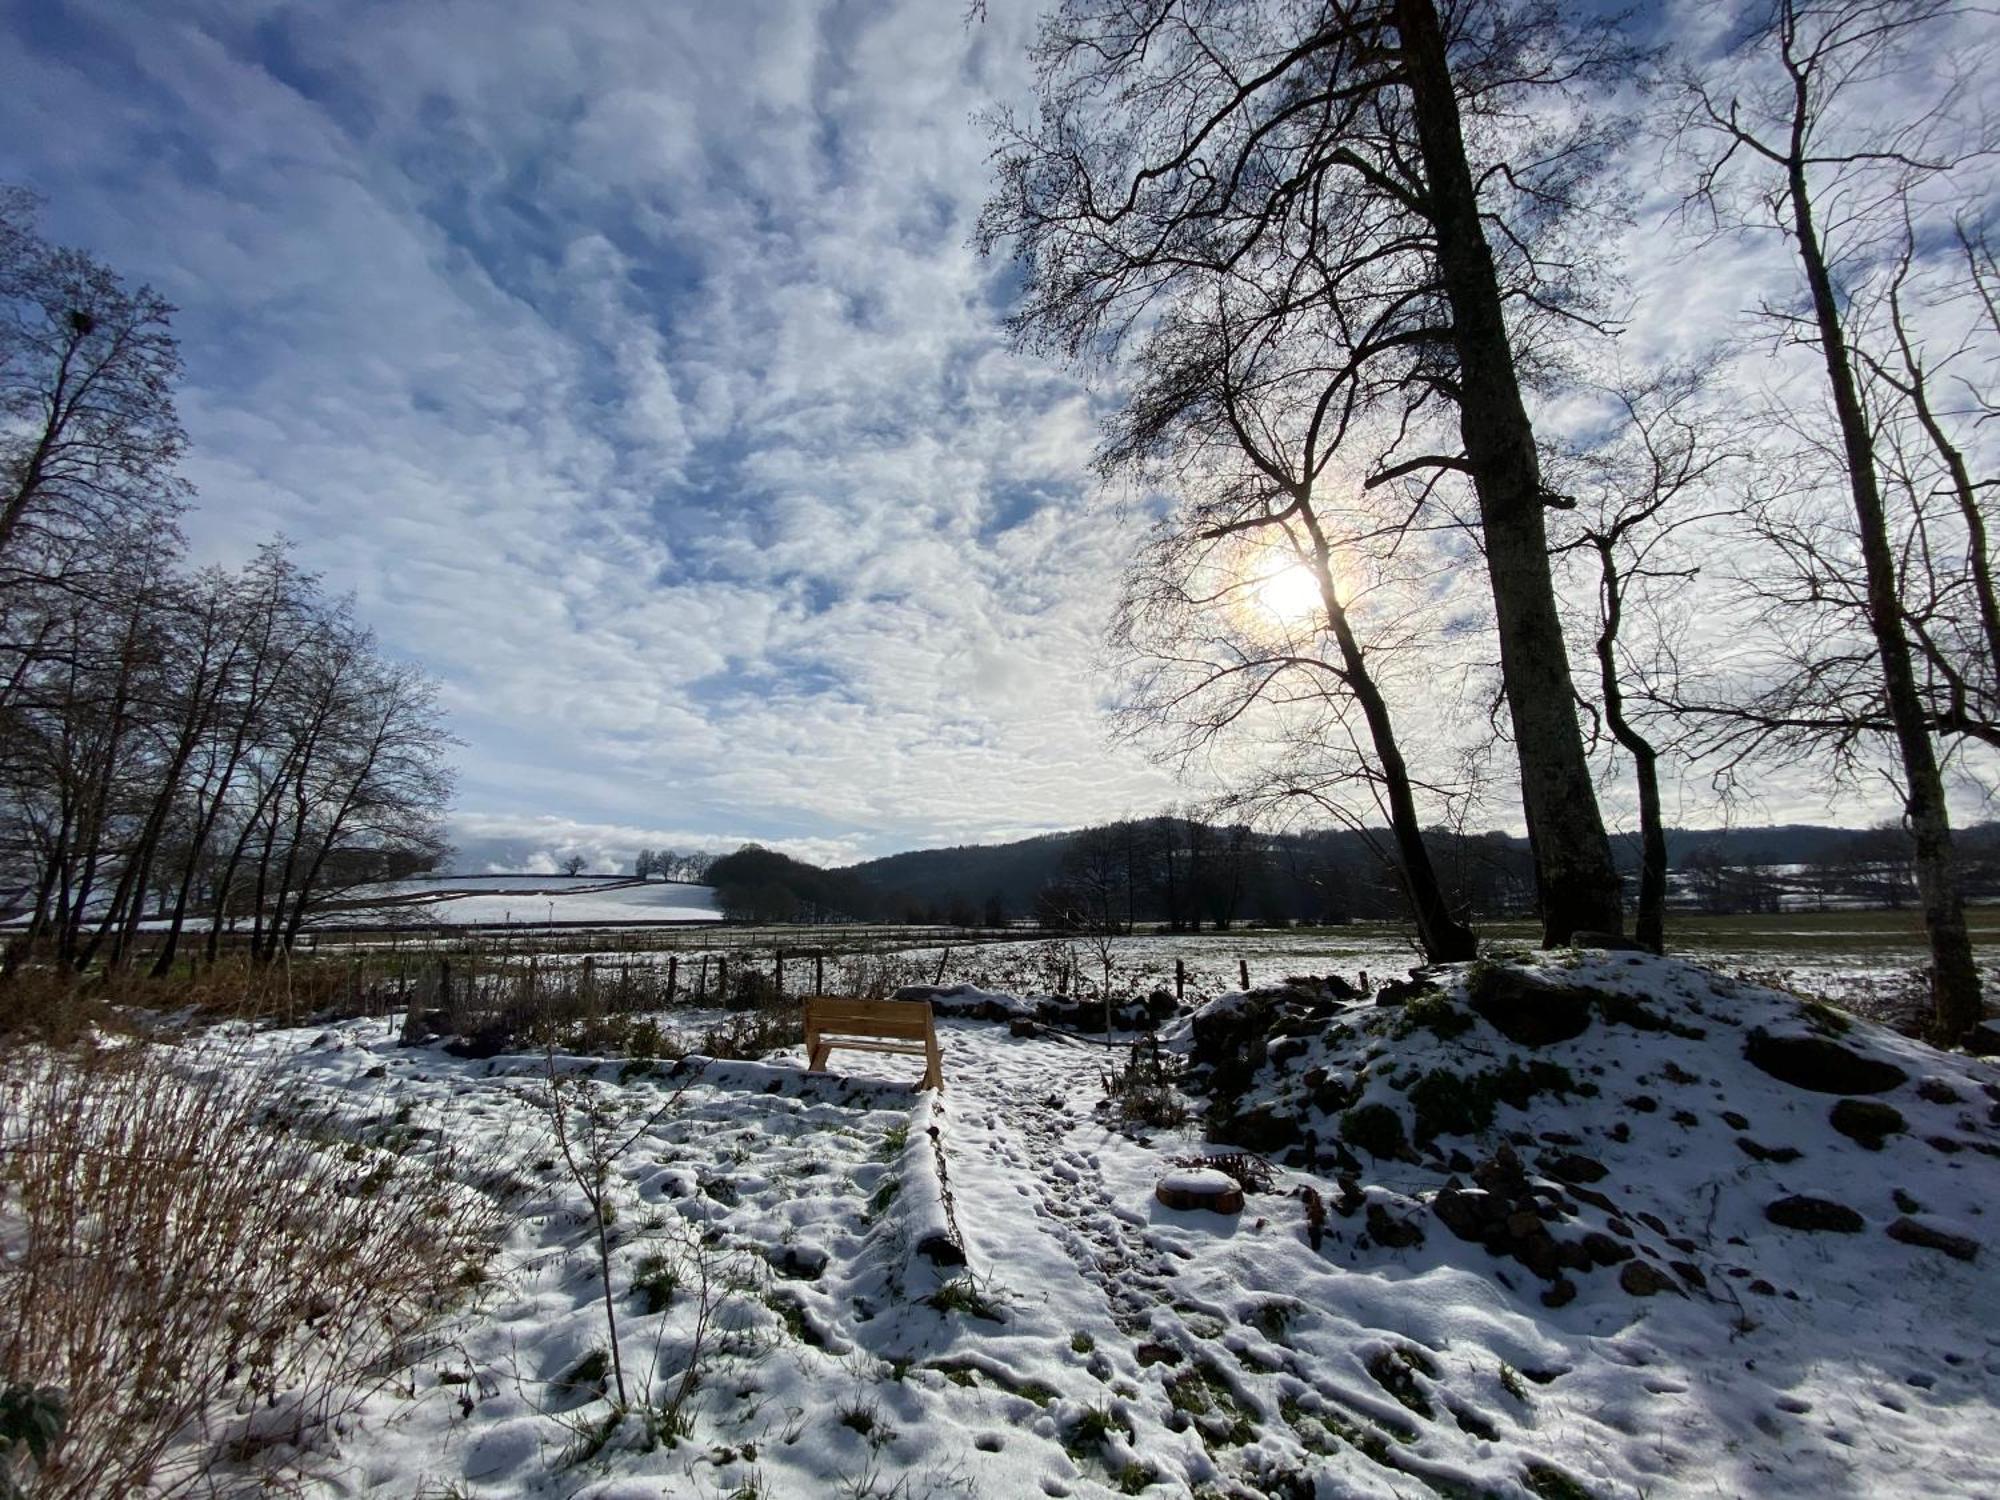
point(1243, 971)
point(701, 991)
point(673, 963)
point(778, 971)
point(819, 973)
point(722, 978)
point(1180, 981)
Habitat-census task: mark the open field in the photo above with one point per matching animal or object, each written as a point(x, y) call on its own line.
point(1864, 961)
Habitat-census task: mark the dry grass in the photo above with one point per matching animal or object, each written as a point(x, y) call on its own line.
point(209, 1263)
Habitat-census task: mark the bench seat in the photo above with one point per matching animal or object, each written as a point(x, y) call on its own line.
point(903, 1027)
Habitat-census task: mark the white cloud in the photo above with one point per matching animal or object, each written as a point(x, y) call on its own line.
point(629, 363)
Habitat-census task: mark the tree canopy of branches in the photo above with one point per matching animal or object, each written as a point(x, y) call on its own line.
point(88, 432)
point(1364, 187)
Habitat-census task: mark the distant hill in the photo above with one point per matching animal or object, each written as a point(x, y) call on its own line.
point(1320, 874)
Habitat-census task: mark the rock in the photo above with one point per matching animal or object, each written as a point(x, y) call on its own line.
point(1984, 1039)
point(1690, 1273)
point(1915, 1232)
point(1470, 1213)
point(1559, 1293)
point(941, 1249)
point(1200, 1188)
point(1813, 1215)
point(1402, 991)
point(1526, 1010)
point(1937, 1091)
point(1644, 1104)
point(1523, 1222)
point(1331, 1093)
point(807, 1262)
point(1502, 1173)
point(1391, 1232)
point(1821, 1065)
point(1644, 1279)
point(1763, 1288)
point(1573, 1166)
point(1227, 1036)
point(1603, 1250)
point(1264, 1129)
point(1595, 1199)
point(1540, 1254)
point(1755, 1152)
point(1905, 1203)
point(1735, 1121)
point(1867, 1121)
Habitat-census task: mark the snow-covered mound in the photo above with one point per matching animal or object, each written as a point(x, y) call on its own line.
point(1786, 1211)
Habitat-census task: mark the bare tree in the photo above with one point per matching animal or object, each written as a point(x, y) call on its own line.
point(1654, 474)
point(1383, 165)
point(88, 431)
point(1792, 137)
point(1240, 411)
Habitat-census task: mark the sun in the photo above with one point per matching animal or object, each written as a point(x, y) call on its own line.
point(1289, 594)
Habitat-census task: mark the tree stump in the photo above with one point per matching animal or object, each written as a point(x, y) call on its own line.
point(1200, 1188)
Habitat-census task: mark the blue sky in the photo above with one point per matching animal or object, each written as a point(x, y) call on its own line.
point(630, 364)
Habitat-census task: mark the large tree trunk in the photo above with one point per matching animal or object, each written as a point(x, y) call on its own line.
point(1577, 880)
point(1954, 976)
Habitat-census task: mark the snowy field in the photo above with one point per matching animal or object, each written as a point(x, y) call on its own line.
point(1098, 1343)
point(1861, 962)
point(526, 900)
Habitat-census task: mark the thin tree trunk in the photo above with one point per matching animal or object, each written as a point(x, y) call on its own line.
point(1954, 976)
point(1651, 923)
point(1577, 880)
point(1443, 938)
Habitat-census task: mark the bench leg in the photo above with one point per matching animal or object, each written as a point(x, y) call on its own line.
point(816, 1058)
point(933, 1069)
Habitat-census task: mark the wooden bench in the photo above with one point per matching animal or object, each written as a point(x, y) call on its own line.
point(901, 1026)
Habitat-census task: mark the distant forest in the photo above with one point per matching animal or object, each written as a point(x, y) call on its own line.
point(1188, 875)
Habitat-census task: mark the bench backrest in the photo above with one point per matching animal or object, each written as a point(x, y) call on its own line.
point(891, 1018)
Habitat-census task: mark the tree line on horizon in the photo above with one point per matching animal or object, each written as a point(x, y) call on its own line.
point(1180, 874)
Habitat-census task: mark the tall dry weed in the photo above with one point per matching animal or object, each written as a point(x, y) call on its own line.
point(209, 1263)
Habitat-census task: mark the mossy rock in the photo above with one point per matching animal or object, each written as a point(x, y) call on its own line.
point(1448, 1103)
point(1528, 1011)
point(1814, 1215)
point(1868, 1122)
point(1821, 1065)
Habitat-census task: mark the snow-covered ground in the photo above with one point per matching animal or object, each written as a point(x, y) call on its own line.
point(438, 885)
point(1100, 1343)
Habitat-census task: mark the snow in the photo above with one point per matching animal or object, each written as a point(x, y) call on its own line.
point(1095, 1337)
point(1202, 1180)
